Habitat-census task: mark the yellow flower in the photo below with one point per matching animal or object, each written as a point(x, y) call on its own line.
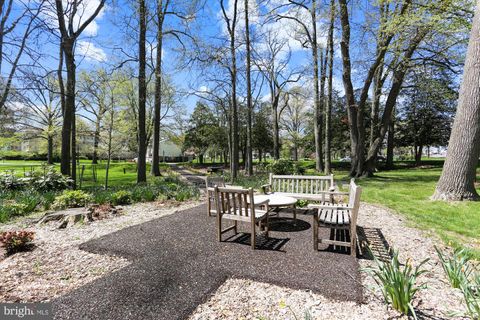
point(282, 304)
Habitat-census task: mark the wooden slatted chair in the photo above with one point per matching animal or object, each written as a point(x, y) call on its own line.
point(238, 205)
point(210, 183)
point(341, 216)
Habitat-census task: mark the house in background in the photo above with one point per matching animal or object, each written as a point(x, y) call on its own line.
point(169, 152)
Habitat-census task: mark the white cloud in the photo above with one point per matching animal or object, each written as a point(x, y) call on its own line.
point(91, 51)
point(85, 10)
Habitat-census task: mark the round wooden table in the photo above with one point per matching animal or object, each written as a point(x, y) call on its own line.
point(277, 202)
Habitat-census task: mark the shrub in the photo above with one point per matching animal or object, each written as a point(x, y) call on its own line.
point(397, 283)
point(8, 181)
point(13, 208)
point(281, 166)
point(49, 180)
point(456, 267)
point(17, 241)
point(122, 197)
point(72, 199)
point(298, 169)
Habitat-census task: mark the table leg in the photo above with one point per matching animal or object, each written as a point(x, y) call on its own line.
point(295, 214)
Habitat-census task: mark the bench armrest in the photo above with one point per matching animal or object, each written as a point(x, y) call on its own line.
point(267, 188)
point(327, 206)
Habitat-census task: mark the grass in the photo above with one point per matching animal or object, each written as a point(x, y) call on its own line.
point(121, 173)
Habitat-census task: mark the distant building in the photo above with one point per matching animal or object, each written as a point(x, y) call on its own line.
point(169, 152)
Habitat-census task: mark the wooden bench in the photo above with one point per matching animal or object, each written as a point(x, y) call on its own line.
point(313, 188)
point(214, 169)
point(338, 217)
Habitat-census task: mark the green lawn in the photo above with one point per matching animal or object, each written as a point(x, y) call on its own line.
point(408, 191)
point(120, 174)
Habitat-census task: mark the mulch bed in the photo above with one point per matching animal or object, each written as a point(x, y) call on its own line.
point(177, 263)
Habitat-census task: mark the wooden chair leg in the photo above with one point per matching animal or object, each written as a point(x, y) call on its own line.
point(353, 242)
point(295, 214)
point(235, 228)
point(219, 227)
point(315, 232)
point(267, 227)
point(253, 236)
point(209, 206)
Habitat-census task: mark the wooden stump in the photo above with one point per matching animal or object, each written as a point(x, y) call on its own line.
point(69, 217)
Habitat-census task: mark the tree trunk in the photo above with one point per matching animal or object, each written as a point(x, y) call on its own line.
point(69, 105)
point(328, 106)
point(457, 181)
point(142, 95)
point(249, 158)
point(96, 140)
point(109, 151)
point(158, 92)
point(276, 133)
point(233, 73)
point(50, 149)
point(317, 104)
point(390, 142)
point(418, 155)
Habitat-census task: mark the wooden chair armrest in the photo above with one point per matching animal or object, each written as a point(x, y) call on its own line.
point(267, 188)
point(325, 206)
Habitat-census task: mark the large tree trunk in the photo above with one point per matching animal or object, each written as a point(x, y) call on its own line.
point(318, 121)
point(158, 91)
point(96, 140)
point(368, 167)
point(249, 156)
point(328, 106)
point(276, 131)
point(390, 142)
point(233, 73)
point(50, 149)
point(67, 46)
point(142, 95)
point(457, 181)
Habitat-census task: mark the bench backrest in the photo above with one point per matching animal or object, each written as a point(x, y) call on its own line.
point(301, 184)
point(354, 201)
point(235, 201)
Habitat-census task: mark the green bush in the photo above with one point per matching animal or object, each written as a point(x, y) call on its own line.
point(72, 199)
point(9, 181)
point(397, 282)
point(48, 179)
point(14, 208)
point(122, 197)
point(281, 166)
point(17, 241)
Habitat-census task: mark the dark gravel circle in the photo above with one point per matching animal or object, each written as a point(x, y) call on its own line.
point(177, 263)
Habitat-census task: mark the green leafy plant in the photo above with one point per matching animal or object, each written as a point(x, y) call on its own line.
point(17, 241)
point(48, 179)
point(281, 166)
point(122, 197)
point(397, 282)
point(9, 181)
point(72, 199)
point(457, 267)
point(471, 294)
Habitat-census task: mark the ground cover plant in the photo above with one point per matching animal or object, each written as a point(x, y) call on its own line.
point(398, 282)
point(17, 241)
